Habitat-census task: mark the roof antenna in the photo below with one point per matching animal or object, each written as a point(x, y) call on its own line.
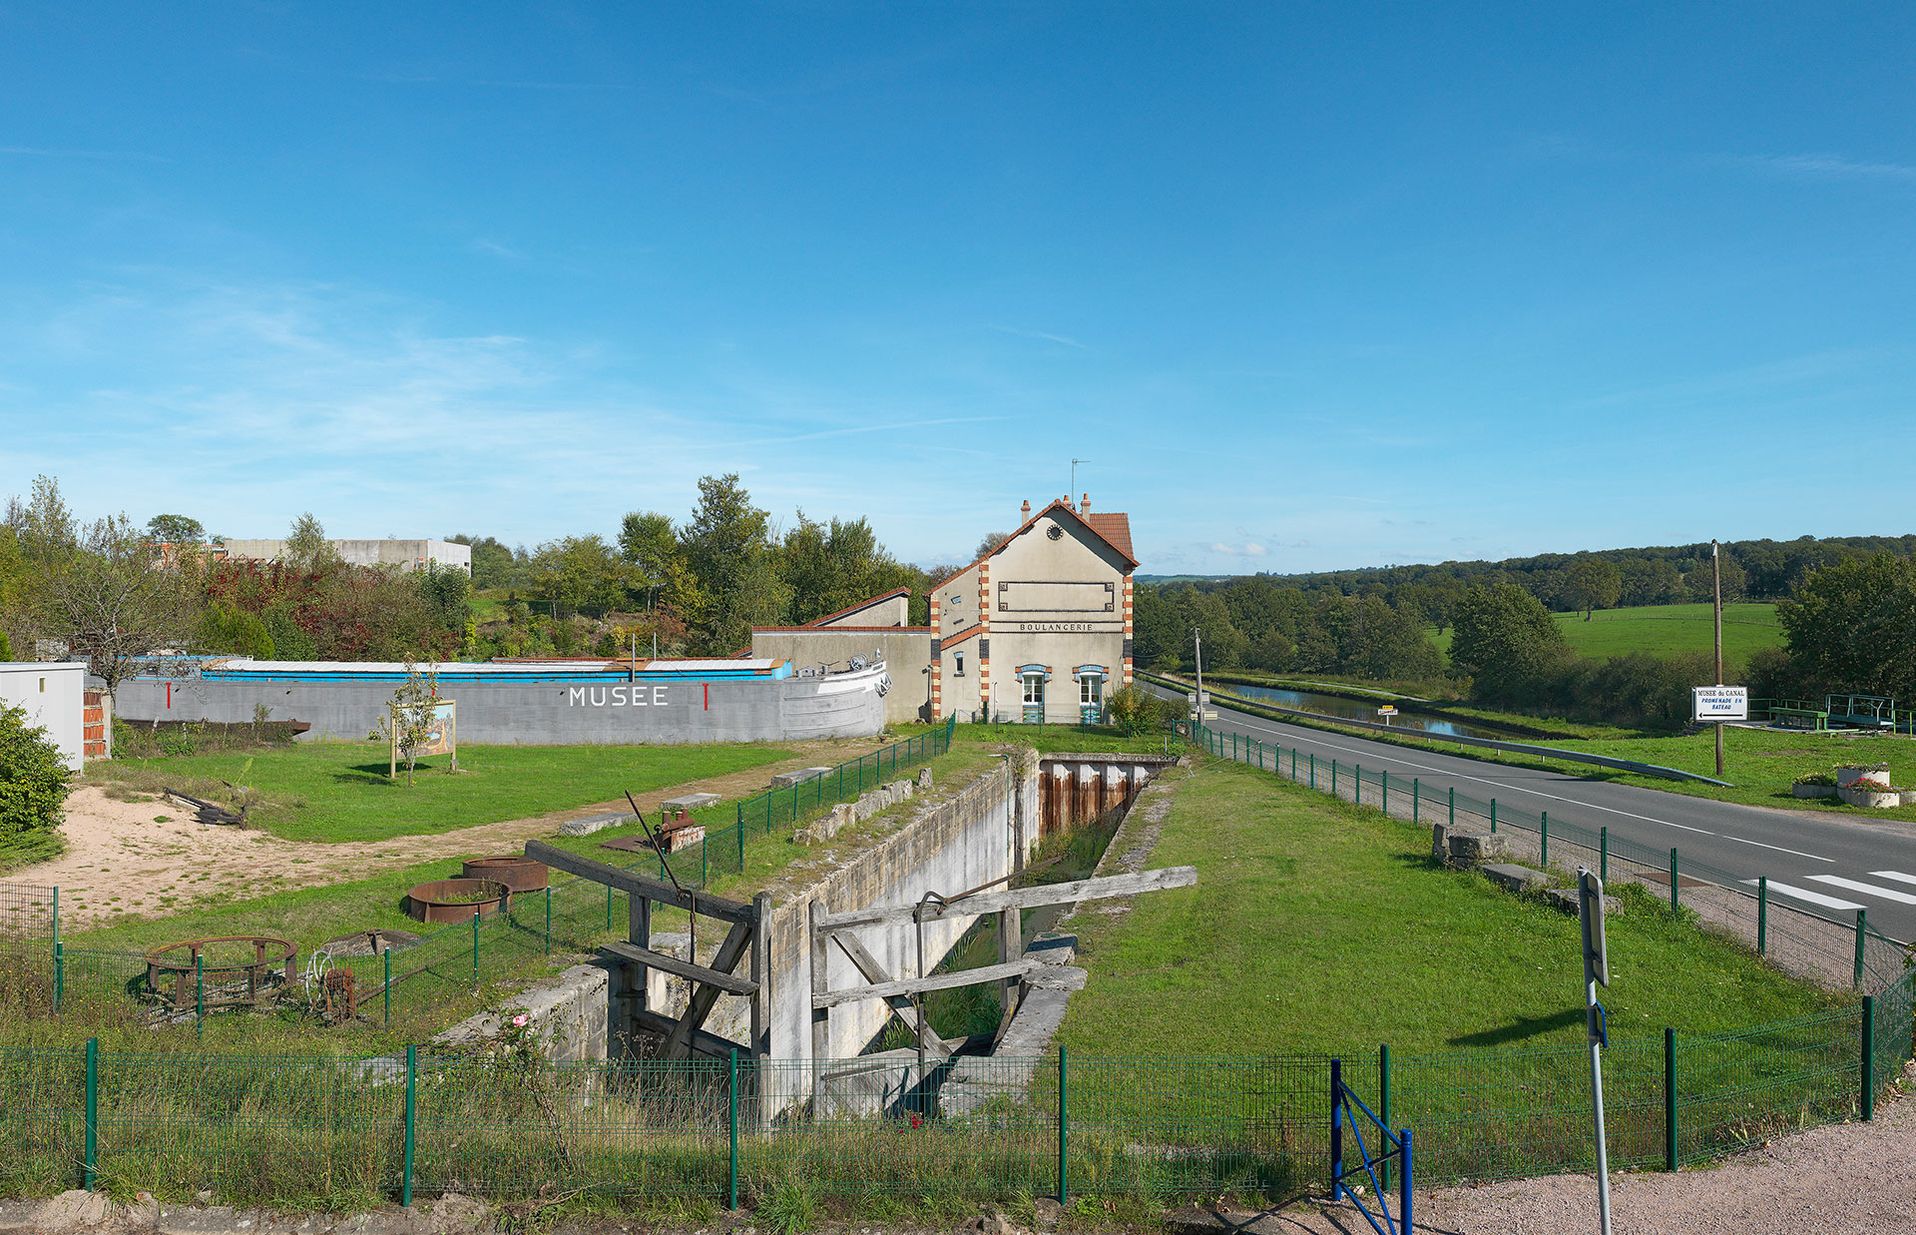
point(1074, 478)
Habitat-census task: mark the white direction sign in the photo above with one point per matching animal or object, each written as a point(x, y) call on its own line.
point(1720, 703)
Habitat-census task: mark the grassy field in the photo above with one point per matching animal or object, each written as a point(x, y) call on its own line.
point(338, 791)
point(1318, 926)
point(1664, 630)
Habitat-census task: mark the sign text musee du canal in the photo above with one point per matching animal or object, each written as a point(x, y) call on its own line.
point(624, 695)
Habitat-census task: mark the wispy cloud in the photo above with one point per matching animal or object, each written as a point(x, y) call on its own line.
point(1043, 336)
point(1249, 548)
point(1825, 167)
point(53, 152)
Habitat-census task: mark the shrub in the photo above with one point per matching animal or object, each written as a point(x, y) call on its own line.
point(33, 778)
point(1135, 710)
point(1820, 779)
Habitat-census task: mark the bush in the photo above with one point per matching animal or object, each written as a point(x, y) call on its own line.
point(33, 779)
point(1135, 710)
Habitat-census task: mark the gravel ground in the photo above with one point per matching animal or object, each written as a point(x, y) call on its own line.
point(1843, 1179)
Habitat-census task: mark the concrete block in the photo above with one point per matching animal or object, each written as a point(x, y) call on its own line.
point(828, 825)
point(1469, 849)
point(1567, 900)
point(924, 778)
point(593, 823)
point(1513, 878)
point(785, 780)
point(691, 801)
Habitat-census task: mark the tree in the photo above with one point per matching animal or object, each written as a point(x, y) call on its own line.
point(1592, 584)
point(307, 548)
point(581, 574)
point(1135, 710)
point(33, 781)
point(827, 567)
point(727, 546)
point(412, 718)
point(1852, 626)
point(175, 529)
point(991, 541)
point(227, 628)
point(1505, 640)
point(493, 564)
point(45, 528)
point(115, 599)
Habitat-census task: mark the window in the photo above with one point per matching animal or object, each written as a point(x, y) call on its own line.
point(961, 663)
point(1090, 692)
point(1034, 690)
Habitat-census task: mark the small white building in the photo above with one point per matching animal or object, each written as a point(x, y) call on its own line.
point(53, 694)
point(407, 555)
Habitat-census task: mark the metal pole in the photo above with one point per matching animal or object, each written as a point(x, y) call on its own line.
point(1337, 1130)
point(59, 974)
point(1357, 784)
point(1386, 794)
point(1763, 915)
point(1862, 926)
point(1313, 769)
point(1868, 1104)
point(475, 949)
point(199, 991)
point(1493, 816)
point(1415, 802)
point(1451, 795)
point(386, 990)
point(1596, 1094)
point(1543, 830)
point(1064, 1185)
point(91, 1163)
point(548, 919)
point(731, 1191)
point(1383, 1102)
point(1673, 879)
point(1197, 642)
point(412, 1120)
point(1669, 1099)
point(1405, 1222)
point(1716, 574)
point(1603, 853)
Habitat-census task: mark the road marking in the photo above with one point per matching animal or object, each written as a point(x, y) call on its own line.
point(1244, 719)
point(1804, 894)
point(1867, 889)
point(1898, 876)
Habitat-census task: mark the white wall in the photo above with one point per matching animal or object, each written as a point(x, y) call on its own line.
point(51, 692)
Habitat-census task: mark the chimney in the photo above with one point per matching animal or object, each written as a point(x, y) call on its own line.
point(1084, 505)
point(1024, 512)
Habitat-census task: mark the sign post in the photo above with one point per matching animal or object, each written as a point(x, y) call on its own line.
point(1596, 971)
point(1387, 711)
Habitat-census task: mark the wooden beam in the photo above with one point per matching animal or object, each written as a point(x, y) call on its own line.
point(1018, 898)
point(703, 1041)
point(730, 952)
point(930, 982)
point(726, 982)
point(901, 1005)
point(638, 885)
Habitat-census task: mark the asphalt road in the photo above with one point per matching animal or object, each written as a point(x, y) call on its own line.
point(1827, 862)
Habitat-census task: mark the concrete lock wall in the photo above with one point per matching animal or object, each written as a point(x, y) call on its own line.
point(984, 832)
point(541, 713)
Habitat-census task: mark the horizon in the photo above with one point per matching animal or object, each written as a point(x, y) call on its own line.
point(1306, 289)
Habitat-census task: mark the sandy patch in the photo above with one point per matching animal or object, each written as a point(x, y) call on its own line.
point(151, 858)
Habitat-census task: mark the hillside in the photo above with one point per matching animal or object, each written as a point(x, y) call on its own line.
point(1665, 630)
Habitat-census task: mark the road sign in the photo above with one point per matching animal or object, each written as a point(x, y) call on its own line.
point(1389, 709)
point(1596, 969)
point(1719, 703)
point(1596, 964)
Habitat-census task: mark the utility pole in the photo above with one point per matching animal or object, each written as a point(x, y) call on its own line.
point(1716, 573)
point(1197, 639)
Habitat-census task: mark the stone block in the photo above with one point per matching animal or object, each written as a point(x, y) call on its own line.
point(690, 801)
point(924, 778)
point(593, 823)
point(1468, 849)
point(1513, 878)
point(785, 780)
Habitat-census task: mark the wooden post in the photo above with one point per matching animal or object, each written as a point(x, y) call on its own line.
point(761, 971)
point(821, 1016)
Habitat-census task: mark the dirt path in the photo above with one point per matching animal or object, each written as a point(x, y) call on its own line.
point(150, 857)
point(1843, 1179)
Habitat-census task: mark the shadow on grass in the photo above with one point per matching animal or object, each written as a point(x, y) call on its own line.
point(1521, 1028)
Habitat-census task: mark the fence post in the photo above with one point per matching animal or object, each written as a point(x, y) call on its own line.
point(199, 991)
point(59, 974)
point(1337, 1130)
point(1543, 831)
point(91, 1163)
point(1763, 915)
point(1673, 879)
point(1313, 769)
point(1333, 776)
point(1386, 795)
point(1293, 764)
point(1493, 816)
point(731, 1187)
point(1603, 853)
point(1383, 1103)
point(1405, 1222)
point(1868, 1062)
point(56, 913)
point(1452, 795)
point(739, 832)
point(608, 887)
point(1669, 1099)
point(1064, 1186)
point(386, 990)
point(412, 1121)
point(1357, 784)
point(548, 919)
point(1862, 927)
point(1416, 801)
point(475, 949)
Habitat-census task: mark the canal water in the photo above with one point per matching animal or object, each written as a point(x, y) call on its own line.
point(1361, 709)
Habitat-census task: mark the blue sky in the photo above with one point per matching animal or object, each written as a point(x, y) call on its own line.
point(1309, 286)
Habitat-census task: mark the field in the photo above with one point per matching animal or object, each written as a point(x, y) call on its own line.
point(338, 791)
point(1317, 926)
point(1664, 630)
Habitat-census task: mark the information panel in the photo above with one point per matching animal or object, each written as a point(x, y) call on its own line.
point(1720, 703)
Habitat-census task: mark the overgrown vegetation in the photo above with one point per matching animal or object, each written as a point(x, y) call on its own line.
point(34, 782)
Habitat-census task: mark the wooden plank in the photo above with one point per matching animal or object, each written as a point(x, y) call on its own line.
point(703, 1041)
point(901, 1005)
point(729, 983)
point(638, 885)
point(930, 982)
point(1020, 898)
point(730, 951)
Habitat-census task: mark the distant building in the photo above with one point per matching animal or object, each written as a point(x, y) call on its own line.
point(405, 554)
point(1038, 629)
point(52, 693)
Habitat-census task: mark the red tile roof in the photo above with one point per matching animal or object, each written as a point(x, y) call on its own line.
point(1113, 529)
point(1116, 530)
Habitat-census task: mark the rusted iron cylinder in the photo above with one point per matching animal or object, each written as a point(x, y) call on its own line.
point(457, 900)
point(517, 872)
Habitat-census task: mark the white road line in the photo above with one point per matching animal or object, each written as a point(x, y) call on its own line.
point(1760, 845)
point(1867, 889)
point(1898, 876)
point(1814, 898)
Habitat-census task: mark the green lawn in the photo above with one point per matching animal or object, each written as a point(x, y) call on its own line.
point(1666, 630)
point(338, 791)
point(1317, 926)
